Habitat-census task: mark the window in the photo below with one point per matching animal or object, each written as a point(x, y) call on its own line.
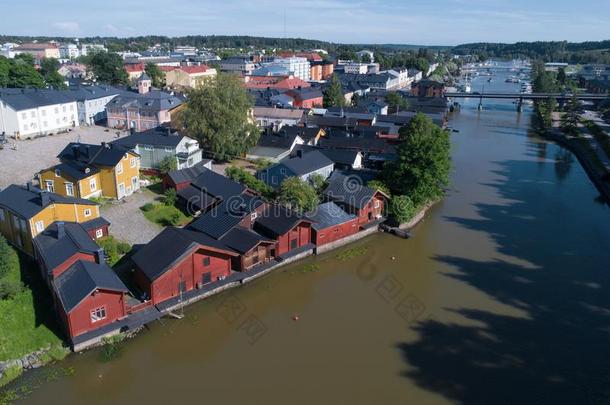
point(377, 204)
point(135, 182)
point(98, 314)
point(70, 189)
point(57, 112)
point(206, 261)
point(119, 168)
point(57, 173)
point(39, 226)
point(169, 150)
point(44, 113)
point(253, 216)
point(63, 108)
point(99, 233)
point(206, 278)
point(49, 185)
point(283, 171)
point(92, 185)
point(87, 212)
point(33, 114)
point(132, 162)
point(24, 115)
point(273, 179)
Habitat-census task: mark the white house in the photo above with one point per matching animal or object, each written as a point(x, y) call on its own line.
point(92, 101)
point(276, 118)
point(298, 66)
point(69, 51)
point(27, 113)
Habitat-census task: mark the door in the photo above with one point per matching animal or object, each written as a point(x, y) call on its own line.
point(206, 278)
point(294, 243)
point(121, 190)
point(182, 286)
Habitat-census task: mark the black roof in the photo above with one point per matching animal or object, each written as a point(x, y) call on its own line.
point(95, 223)
point(28, 202)
point(196, 199)
point(158, 256)
point(276, 220)
point(160, 136)
point(102, 155)
point(277, 140)
point(221, 219)
point(75, 169)
point(363, 144)
point(55, 248)
point(348, 190)
point(217, 185)
point(341, 156)
point(83, 278)
point(25, 99)
point(243, 240)
point(188, 174)
point(306, 133)
point(328, 214)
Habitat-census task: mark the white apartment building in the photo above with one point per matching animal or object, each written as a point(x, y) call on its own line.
point(91, 102)
point(69, 51)
point(85, 49)
point(299, 67)
point(27, 113)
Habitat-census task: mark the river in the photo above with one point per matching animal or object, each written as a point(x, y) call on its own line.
point(501, 297)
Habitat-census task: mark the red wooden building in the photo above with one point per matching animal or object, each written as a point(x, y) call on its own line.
point(180, 260)
point(88, 296)
point(331, 223)
point(289, 229)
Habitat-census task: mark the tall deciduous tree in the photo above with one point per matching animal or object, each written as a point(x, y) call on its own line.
point(396, 102)
point(218, 115)
point(49, 70)
point(298, 195)
point(155, 73)
point(333, 95)
point(19, 72)
point(571, 117)
point(107, 67)
point(422, 169)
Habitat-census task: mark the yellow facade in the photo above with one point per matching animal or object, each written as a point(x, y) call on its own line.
point(21, 231)
point(112, 182)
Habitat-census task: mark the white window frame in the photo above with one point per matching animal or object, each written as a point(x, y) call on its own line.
point(39, 226)
point(377, 204)
point(119, 168)
point(70, 189)
point(98, 314)
point(133, 161)
point(99, 233)
point(93, 184)
point(253, 216)
point(50, 186)
point(87, 212)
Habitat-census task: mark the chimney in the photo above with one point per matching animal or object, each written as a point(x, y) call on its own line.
point(169, 131)
point(100, 257)
point(30, 186)
point(44, 198)
point(61, 229)
point(300, 154)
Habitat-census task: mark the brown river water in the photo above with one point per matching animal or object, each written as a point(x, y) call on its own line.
point(502, 297)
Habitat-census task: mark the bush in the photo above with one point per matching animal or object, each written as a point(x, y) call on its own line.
point(170, 197)
point(147, 207)
point(318, 182)
point(165, 215)
point(10, 374)
point(379, 185)
point(402, 208)
point(246, 178)
point(114, 249)
point(167, 164)
point(9, 288)
point(262, 163)
point(298, 195)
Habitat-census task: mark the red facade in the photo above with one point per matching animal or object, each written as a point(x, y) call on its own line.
point(297, 237)
point(200, 267)
point(93, 232)
point(373, 210)
point(79, 320)
point(334, 233)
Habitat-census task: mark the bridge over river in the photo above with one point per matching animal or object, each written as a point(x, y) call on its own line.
point(560, 97)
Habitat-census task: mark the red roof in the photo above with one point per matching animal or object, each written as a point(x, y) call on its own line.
point(310, 56)
point(187, 69)
point(134, 67)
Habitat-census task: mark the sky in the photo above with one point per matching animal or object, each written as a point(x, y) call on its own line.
point(421, 22)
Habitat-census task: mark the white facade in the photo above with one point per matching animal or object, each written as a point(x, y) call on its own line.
point(85, 49)
point(370, 54)
point(43, 120)
point(69, 51)
point(91, 110)
point(7, 50)
point(299, 67)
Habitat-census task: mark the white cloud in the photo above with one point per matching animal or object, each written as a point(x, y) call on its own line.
point(67, 26)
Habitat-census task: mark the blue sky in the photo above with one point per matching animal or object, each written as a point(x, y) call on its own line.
point(428, 22)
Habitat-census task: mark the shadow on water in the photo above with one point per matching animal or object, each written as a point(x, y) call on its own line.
point(556, 273)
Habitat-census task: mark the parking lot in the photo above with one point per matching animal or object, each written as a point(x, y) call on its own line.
point(21, 160)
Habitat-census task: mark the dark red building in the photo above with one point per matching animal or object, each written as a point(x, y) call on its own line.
point(331, 223)
point(289, 229)
point(428, 88)
point(88, 296)
point(180, 260)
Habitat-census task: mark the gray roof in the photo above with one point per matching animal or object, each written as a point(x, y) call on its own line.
point(328, 214)
point(83, 278)
point(25, 99)
point(82, 93)
point(306, 163)
point(154, 100)
point(188, 174)
point(159, 136)
point(55, 249)
point(167, 248)
point(348, 190)
point(27, 202)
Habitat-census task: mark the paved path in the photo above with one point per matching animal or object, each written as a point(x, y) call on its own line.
point(21, 160)
point(127, 220)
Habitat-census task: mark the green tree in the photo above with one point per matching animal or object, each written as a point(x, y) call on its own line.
point(49, 70)
point(218, 115)
point(167, 164)
point(402, 208)
point(107, 67)
point(380, 186)
point(422, 169)
point(333, 95)
point(396, 102)
point(170, 197)
point(318, 182)
point(571, 117)
point(246, 178)
point(156, 74)
point(22, 73)
point(365, 58)
point(298, 195)
point(5, 68)
point(355, 100)
point(561, 76)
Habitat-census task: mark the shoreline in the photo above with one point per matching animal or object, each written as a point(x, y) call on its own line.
point(419, 216)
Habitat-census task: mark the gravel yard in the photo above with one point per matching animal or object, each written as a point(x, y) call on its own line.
point(127, 220)
point(21, 160)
